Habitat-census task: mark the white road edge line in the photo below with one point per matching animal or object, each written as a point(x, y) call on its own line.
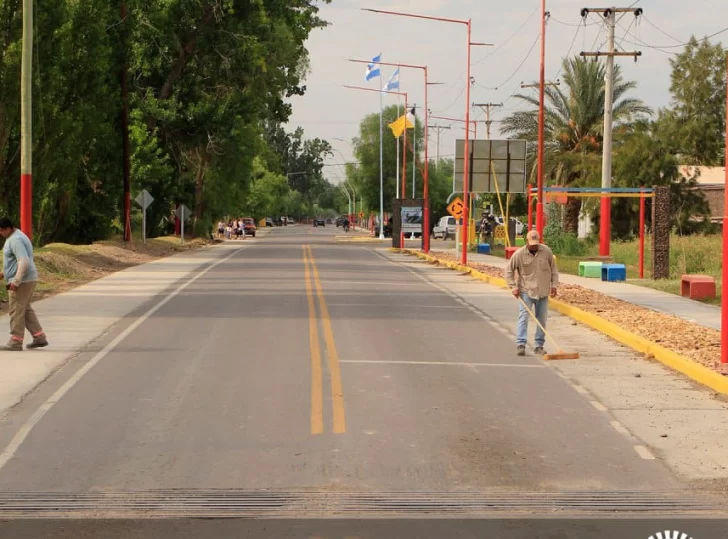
point(620, 428)
point(25, 430)
point(599, 406)
point(643, 452)
point(453, 363)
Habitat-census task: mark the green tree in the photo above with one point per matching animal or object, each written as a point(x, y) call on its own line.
point(694, 125)
point(642, 160)
point(574, 126)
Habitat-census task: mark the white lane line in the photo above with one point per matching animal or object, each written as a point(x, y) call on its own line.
point(581, 390)
point(450, 363)
point(25, 430)
point(599, 406)
point(643, 452)
point(619, 428)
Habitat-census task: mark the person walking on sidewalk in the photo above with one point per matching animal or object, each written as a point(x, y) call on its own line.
point(538, 278)
point(21, 275)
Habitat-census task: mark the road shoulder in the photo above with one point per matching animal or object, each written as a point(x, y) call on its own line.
point(74, 320)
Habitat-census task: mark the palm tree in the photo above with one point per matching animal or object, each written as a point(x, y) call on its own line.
point(574, 125)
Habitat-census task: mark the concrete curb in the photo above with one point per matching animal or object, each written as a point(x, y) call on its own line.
point(681, 364)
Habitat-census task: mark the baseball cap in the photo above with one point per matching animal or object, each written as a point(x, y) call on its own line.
point(532, 238)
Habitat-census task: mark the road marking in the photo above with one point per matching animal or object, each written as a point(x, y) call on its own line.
point(25, 430)
point(643, 452)
point(581, 389)
point(619, 428)
point(337, 391)
point(453, 363)
point(317, 384)
point(599, 406)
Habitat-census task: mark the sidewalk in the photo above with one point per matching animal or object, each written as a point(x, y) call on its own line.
point(74, 319)
point(687, 309)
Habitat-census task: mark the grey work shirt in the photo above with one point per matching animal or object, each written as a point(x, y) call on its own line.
point(536, 274)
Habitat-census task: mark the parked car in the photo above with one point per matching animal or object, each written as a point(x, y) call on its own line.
point(340, 220)
point(268, 222)
point(249, 226)
point(319, 221)
point(445, 228)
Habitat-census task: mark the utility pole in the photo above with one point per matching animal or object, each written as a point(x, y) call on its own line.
point(486, 107)
point(26, 122)
point(606, 202)
point(439, 128)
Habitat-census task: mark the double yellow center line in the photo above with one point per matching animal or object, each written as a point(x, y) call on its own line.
point(314, 288)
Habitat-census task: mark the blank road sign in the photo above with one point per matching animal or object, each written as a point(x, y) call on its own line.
point(183, 212)
point(501, 161)
point(144, 199)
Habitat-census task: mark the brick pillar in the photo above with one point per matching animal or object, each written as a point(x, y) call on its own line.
point(661, 226)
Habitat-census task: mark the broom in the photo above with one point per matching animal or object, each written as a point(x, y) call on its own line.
point(560, 354)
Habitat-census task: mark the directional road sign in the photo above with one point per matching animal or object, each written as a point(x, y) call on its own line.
point(456, 208)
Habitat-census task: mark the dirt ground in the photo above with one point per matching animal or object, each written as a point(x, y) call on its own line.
point(696, 342)
point(63, 267)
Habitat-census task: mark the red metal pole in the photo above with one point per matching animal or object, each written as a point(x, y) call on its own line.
point(723, 302)
point(426, 192)
point(642, 236)
point(466, 175)
point(541, 122)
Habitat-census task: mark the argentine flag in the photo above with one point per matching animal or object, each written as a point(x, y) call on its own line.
point(393, 82)
point(373, 70)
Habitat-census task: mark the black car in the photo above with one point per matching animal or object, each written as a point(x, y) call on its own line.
point(340, 221)
point(319, 221)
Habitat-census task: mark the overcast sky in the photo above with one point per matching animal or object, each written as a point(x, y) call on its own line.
point(330, 111)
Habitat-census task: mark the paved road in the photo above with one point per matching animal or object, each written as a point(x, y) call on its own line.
point(304, 363)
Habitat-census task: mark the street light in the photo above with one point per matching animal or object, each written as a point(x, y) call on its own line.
point(426, 179)
point(468, 23)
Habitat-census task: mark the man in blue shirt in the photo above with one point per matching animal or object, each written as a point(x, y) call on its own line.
point(21, 276)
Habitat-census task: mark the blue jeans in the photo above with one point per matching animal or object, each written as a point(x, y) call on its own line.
point(540, 308)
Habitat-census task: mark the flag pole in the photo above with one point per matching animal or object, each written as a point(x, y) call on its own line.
point(381, 158)
point(399, 102)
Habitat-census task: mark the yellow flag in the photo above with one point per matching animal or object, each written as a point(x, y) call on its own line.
point(399, 125)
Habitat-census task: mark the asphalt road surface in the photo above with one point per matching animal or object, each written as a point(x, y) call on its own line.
point(304, 365)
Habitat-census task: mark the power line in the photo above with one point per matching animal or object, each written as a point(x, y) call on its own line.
point(528, 55)
point(510, 38)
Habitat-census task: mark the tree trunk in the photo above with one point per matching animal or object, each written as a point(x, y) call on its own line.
point(571, 215)
point(199, 184)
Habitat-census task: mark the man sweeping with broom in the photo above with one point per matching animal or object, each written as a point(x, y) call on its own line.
point(538, 278)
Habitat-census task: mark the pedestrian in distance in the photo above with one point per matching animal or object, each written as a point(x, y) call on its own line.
point(21, 276)
point(532, 276)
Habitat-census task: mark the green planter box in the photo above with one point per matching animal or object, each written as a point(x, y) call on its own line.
point(590, 269)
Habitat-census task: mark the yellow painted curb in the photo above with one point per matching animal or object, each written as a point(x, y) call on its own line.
point(696, 372)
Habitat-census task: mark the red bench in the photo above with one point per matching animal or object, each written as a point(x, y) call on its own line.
point(697, 287)
point(510, 251)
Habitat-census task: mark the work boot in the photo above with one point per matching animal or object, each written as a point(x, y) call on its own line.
point(12, 346)
point(539, 351)
point(520, 350)
point(38, 342)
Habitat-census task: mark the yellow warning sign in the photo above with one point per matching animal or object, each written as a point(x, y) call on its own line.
point(456, 208)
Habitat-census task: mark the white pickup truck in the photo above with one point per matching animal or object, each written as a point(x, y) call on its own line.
point(445, 228)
